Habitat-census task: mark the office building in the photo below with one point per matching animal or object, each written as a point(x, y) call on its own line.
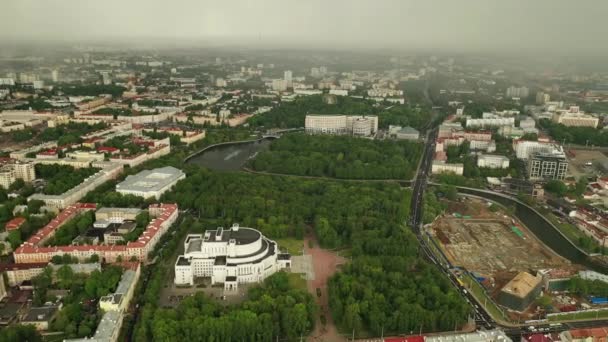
point(341, 124)
point(547, 165)
point(520, 292)
point(574, 118)
point(493, 161)
point(229, 256)
point(151, 183)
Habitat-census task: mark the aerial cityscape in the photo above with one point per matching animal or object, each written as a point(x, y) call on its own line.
point(372, 171)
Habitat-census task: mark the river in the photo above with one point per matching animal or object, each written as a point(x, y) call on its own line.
point(231, 156)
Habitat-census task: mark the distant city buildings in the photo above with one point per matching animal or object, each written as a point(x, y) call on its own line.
point(341, 124)
point(518, 92)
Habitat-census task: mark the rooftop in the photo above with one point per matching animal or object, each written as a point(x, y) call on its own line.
point(522, 284)
point(151, 180)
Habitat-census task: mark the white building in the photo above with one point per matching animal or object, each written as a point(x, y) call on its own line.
point(574, 118)
point(231, 256)
point(288, 77)
point(523, 149)
point(443, 167)
point(341, 124)
point(495, 121)
point(279, 85)
point(493, 161)
point(9, 173)
point(519, 92)
point(151, 183)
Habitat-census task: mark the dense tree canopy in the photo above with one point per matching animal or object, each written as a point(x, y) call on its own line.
point(271, 310)
point(91, 89)
point(340, 157)
point(586, 287)
point(293, 114)
point(576, 135)
point(61, 178)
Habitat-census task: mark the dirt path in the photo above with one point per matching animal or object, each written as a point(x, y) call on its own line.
point(325, 264)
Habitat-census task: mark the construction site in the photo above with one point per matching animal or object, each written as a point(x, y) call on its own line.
point(486, 241)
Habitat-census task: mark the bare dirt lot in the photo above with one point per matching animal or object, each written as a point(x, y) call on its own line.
point(579, 160)
point(490, 243)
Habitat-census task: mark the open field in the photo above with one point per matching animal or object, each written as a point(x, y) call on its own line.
point(580, 158)
point(293, 246)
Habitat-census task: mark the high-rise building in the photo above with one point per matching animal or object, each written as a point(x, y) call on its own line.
point(519, 92)
point(543, 165)
point(542, 98)
point(55, 75)
point(279, 85)
point(288, 77)
point(315, 72)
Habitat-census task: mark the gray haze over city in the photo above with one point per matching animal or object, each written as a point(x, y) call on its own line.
point(519, 26)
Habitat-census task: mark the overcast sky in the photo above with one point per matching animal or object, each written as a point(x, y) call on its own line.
point(397, 24)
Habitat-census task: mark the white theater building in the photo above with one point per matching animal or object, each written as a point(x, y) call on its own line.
point(229, 256)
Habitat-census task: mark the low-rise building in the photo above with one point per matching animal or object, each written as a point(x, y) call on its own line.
point(40, 317)
point(229, 256)
point(520, 292)
point(151, 183)
point(493, 161)
point(405, 133)
point(341, 124)
point(34, 251)
point(443, 167)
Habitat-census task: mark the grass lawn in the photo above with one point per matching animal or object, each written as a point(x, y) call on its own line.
point(293, 246)
point(481, 295)
point(580, 315)
point(572, 233)
point(296, 281)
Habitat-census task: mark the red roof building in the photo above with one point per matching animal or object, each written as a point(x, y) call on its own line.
point(14, 224)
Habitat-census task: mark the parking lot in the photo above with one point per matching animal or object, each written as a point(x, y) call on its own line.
point(587, 163)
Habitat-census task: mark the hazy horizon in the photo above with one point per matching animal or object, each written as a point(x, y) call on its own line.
point(519, 27)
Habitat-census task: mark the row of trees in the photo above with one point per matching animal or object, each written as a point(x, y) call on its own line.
point(61, 178)
point(339, 157)
point(273, 310)
point(575, 135)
